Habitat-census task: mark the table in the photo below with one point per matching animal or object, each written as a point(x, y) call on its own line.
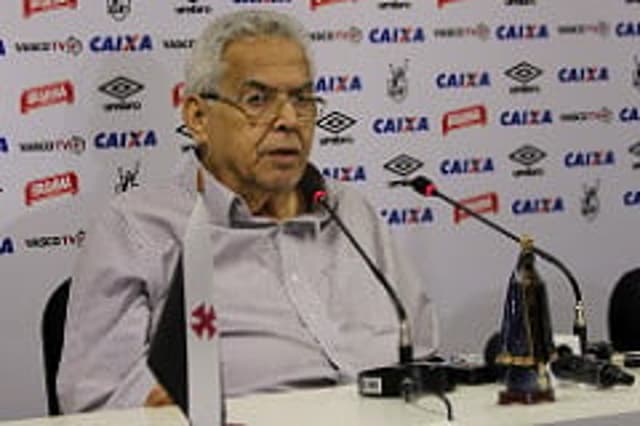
point(337, 406)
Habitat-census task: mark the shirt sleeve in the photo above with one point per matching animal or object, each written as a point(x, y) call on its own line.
point(108, 323)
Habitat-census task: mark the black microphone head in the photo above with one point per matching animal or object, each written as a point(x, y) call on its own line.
point(424, 186)
point(312, 186)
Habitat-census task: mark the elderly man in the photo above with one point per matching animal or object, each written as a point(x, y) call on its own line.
point(295, 303)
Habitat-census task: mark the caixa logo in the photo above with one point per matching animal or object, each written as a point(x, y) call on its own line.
point(517, 32)
point(526, 117)
point(6, 246)
point(463, 80)
point(465, 166)
point(629, 114)
point(31, 7)
point(338, 84)
point(126, 140)
point(628, 29)
point(121, 43)
point(407, 216)
point(4, 145)
point(395, 125)
point(3, 51)
point(583, 74)
point(51, 187)
point(540, 205)
point(346, 173)
point(589, 158)
point(61, 92)
point(392, 35)
point(630, 199)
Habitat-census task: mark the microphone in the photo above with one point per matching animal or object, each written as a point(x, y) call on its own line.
point(313, 182)
point(427, 188)
point(592, 372)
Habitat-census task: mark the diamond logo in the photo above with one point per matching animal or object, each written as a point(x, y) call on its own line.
point(121, 88)
point(527, 155)
point(336, 122)
point(523, 73)
point(403, 165)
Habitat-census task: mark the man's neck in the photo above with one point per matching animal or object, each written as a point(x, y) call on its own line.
point(277, 205)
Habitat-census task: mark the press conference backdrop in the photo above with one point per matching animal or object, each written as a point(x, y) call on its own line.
point(526, 110)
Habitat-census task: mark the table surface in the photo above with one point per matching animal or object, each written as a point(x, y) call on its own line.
point(472, 405)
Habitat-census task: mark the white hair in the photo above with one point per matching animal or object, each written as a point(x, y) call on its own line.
point(205, 66)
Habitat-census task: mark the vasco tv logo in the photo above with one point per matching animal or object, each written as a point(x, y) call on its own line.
point(407, 216)
point(393, 35)
point(466, 166)
point(526, 117)
point(403, 124)
point(346, 173)
point(6, 246)
point(352, 34)
point(344, 83)
point(590, 74)
point(480, 31)
point(336, 123)
point(61, 92)
point(524, 73)
point(463, 80)
point(51, 187)
point(403, 165)
point(575, 159)
point(522, 32)
point(604, 115)
point(65, 240)
point(314, 4)
point(74, 144)
point(71, 45)
point(31, 7)
point(528, 156)
point(126, 140)
point(475, 115)
point(601, 28)
point(121, 43)
point(122, 88)
point(538, 205)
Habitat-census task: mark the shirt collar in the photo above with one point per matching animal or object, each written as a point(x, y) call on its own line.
point(228, 209)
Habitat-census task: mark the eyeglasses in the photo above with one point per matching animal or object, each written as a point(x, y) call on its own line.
point(261, 104)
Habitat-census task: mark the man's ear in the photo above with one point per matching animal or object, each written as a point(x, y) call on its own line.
point(194, 115)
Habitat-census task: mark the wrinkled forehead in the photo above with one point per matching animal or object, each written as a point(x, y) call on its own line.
point(274, 61)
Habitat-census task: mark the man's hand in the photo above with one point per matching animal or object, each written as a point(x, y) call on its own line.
point(158, 397)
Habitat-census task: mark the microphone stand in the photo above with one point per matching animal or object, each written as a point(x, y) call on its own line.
point(427, 188)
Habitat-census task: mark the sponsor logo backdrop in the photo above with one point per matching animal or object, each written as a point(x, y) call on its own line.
point(526, 111)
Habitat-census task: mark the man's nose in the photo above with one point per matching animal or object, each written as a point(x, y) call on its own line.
point(286, 115)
